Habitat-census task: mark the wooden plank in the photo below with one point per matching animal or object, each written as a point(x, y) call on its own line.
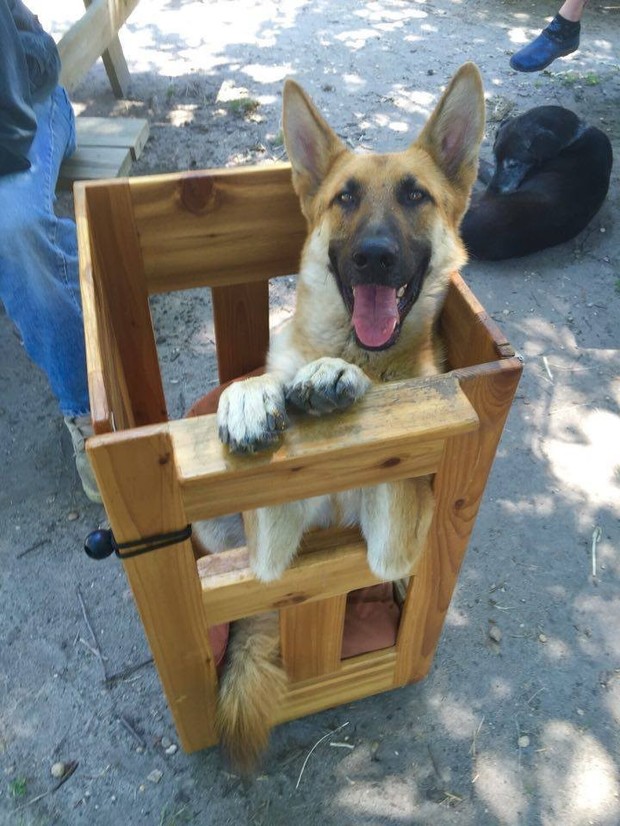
point(116, 69)
point(211, 228)
point(358, 677)
point(115, 64)
point(459, 487)
point(396, 431)
point(471, 336)
point(89, 37)
point(140, 492)
point(94, 334)
point(127, 133)
point(241, 322)
point(328, 567)
point(122, 294)
point(91, 162)
point(311, 637)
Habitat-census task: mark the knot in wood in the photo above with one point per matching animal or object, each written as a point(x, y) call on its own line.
point(290, 599)
point(197, 193)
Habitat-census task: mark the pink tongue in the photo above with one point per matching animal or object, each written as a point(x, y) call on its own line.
point(375, 314)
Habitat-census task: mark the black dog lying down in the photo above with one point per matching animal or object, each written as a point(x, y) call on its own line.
point(551, 176)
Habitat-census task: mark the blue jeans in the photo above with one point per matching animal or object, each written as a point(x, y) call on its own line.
point(38, 259)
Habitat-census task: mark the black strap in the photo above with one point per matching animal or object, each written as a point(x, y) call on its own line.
point(150, 543)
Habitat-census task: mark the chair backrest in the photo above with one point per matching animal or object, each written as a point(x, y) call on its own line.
point(230, 230)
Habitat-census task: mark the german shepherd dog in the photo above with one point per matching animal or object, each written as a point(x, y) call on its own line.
point(383, 238)
point(551, 177)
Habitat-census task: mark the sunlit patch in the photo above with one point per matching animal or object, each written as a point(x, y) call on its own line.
point(497, 784)
point(353, 83)
point(520, 36)
point(578, 777)
point(182, 114)
point(458, 720)
point(585, 461)
point(261, 73)
point(357, 39)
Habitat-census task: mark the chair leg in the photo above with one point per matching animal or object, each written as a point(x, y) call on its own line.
point(459, 486)
point(139, 487)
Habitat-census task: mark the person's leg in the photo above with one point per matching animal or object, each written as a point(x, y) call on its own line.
point(573, 10)
point(39, 269)
point(559, 38)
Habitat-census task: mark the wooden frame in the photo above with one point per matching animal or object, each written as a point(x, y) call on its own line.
point(95, 35)
point(231, 230)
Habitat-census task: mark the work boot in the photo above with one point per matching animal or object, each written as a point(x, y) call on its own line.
point(80, 428)
point(559, 38)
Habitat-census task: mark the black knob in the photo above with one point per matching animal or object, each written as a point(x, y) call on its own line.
point(99, 544)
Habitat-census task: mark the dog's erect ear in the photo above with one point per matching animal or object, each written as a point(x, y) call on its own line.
point(454, 131)
point(311, 144)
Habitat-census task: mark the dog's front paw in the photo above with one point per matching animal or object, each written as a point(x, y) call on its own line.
point(251, 414)
point(327, 384)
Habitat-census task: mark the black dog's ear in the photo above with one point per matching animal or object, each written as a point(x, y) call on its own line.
point(454, 131)
point(311, 144)
point(545, 145)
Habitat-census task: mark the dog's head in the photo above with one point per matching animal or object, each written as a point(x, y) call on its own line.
point(388, 219)
point(524, 143)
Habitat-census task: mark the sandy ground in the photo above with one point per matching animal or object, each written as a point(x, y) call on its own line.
point(520, 731)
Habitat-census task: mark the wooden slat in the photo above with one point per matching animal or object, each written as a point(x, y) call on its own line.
point(358, 677)
point(92, 162)
point(471, 336)
point(127, 133)
point(241, 323)
point(140, 492)
point(311, 637)
point(116, 69)
point(124, 304)
point(89, 37)
point(333, 564)
point(94, 334)
point(115, 64)
point(215, 227)
point(459, 486)
point(396, 431)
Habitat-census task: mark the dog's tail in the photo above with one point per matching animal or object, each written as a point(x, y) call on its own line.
point(252, 689)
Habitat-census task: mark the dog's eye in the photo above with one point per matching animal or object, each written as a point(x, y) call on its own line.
point(414, 196)
point(345, 198)
point(409, 193)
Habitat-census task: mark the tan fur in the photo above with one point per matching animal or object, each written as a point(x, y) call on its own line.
point(253, 689)
point(318, 349)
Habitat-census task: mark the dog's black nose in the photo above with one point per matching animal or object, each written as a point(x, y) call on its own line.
point(375, 255)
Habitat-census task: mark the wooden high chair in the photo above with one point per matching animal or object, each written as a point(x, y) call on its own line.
point(231, 230)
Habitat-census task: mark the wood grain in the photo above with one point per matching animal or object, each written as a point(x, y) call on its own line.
point(357, 677)
point(459, 486)
point(123, 305)
point(89, 37)
point(93, 333)
point(211, 228)
point(326, 570)
point(470, 335)
point(241, 322)
point(395, 431)
point(140, 492)
point(311, 637)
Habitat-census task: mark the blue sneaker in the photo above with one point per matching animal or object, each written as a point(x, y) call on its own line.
point(561, 37)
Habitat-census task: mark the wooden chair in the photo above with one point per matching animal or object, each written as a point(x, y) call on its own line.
point(95, 35)
point(231, 230)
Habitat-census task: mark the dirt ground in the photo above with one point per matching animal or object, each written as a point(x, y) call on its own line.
point(518, 730)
